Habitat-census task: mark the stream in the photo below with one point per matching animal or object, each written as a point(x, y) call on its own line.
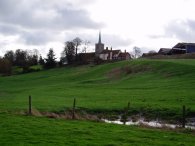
point(157, 124)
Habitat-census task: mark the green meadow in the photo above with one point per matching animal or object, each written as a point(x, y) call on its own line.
point(26, 130)
point(153, 87)
point(150, 84)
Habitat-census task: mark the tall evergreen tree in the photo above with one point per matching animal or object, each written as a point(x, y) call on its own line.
point(50, 60)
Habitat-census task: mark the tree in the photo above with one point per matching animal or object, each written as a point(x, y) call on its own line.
point(50, 60)
point(63, 59)
point(77, 42)
point(41, 60)
point(9, 55)
point(86, 45)
point(32, 57)
point(5, 66)
point(69, 51)
point(136, 52)
point(21, 59)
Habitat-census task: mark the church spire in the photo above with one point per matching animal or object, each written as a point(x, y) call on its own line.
point(100, 38)
point(99, 47)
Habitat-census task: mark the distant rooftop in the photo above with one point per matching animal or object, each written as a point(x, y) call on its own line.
point(182, 45)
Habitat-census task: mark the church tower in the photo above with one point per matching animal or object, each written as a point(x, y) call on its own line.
point(99, 47)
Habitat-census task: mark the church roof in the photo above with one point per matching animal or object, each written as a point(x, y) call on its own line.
point(124, 54)
point(108, 51)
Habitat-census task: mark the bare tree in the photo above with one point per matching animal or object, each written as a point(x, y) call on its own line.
point(136, 52)
point(77, 42)
point(69, 52)
point(86, 45)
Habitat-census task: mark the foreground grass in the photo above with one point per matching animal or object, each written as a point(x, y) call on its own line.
point(24, 130)
point(156, 85)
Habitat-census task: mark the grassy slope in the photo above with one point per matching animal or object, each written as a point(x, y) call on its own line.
point(24, 130)
point(167, 84)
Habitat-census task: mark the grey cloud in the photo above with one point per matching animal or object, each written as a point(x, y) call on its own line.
point(156, 36)
point(6, 29)
point(36, 38)
point(116, 40)
point(108, 39)
point(184, 30)
point(37, 14)
point(28, 37)
point(39, 21)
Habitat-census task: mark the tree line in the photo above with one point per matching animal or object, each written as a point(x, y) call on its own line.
point(20, 58)
point(27, 58)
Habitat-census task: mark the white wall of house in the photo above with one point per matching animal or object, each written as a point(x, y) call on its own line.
point(110, 56)
point(104, 56)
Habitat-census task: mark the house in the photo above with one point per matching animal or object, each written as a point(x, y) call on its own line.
point(86, 58)
point(182, 48)
point(109, 54)
point(179, 48)
point(114, 55)
point(124, 56)
point(164, 51)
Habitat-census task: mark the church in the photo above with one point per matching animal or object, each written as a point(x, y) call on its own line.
point(104, 54)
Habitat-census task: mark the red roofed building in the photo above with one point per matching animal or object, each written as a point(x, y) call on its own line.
point(103, 54)
point(109, 54)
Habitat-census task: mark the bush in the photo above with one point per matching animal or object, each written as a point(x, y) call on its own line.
point(5, 67)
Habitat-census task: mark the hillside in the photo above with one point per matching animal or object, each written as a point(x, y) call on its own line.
point(151, 85)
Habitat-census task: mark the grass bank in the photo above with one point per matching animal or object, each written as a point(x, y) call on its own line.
point(27, 130)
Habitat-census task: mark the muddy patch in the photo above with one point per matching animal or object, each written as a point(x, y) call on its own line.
point(117, 73)
point(68, 114)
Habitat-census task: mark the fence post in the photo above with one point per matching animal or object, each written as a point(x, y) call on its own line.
point(184, 117)
point(126, 113)
point(73, 109)
point(30, 105)
point(128, 107)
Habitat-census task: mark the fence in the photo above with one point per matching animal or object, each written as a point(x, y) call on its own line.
point(124, 115)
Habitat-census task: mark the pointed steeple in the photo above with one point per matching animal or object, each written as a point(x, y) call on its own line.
point(99, 42)
point(99, 47)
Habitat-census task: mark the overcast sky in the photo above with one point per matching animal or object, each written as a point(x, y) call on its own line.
point(44, 24)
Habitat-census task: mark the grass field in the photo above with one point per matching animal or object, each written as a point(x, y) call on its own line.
point(152, 84)
point(25, 130)
point(158, 87)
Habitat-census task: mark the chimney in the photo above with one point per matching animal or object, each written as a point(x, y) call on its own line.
point(106, 48)
point(125, 50)
point(111, 48)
